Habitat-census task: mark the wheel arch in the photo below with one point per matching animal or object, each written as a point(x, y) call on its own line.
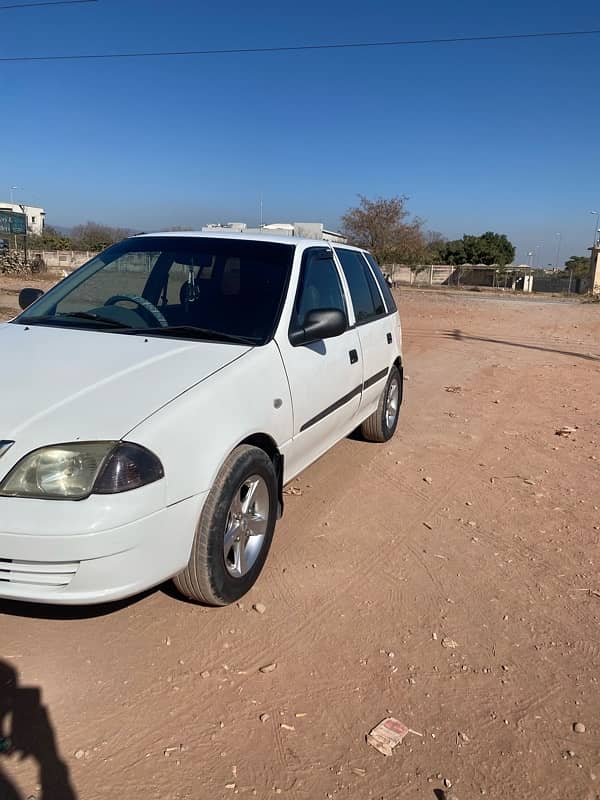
point(266, 443)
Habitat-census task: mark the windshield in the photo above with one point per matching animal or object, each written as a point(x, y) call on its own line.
point(192, 287)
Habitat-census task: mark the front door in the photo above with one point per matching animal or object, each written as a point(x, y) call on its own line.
point(325, 377)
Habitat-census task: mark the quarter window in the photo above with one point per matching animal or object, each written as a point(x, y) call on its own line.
point(385, 289)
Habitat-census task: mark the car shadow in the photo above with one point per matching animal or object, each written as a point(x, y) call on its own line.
point(26, 732)
point(28, 610)
point(460, 336)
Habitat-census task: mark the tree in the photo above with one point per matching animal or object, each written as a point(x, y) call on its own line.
point(384, 227)
point(494, 248)
point(435, 244)
point(454, 253)
point(578, 266)
point(50, 239)
point(490, 248)
point(94, 236)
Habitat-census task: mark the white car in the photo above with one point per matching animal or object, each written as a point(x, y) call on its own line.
point(155, 403)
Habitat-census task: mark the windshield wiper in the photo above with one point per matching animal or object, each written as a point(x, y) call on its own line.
point(114, 323)
point(58, 319)
point(192, 332)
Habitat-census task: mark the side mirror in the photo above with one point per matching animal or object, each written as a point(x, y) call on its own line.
point(28, 296)
point(323, 323)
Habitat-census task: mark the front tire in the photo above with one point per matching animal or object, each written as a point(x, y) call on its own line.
point(235, 530)
point(382, 424)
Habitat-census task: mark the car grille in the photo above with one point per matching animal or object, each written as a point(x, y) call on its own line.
point(38, 573)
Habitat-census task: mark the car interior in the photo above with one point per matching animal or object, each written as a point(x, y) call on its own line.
point(227, 293)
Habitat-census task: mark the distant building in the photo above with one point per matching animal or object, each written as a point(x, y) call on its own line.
point(35, 216)
point(308, 230)
point(592, 282)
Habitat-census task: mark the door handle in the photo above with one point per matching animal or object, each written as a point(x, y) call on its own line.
point(389, 338)
point(353, 356)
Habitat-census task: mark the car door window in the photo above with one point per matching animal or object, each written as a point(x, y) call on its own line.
point(319, 287)
point(366, 297)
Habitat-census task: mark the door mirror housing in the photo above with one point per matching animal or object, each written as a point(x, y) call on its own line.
point(322, 323)
point(28, 296)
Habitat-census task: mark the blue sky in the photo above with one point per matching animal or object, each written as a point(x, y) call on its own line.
point(494, 135)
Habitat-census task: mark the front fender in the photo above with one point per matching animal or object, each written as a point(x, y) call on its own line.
point(195, 432)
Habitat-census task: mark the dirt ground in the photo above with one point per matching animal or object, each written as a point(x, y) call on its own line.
point(449, 578)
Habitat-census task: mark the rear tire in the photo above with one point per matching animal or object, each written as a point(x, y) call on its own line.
point(235, 530)
point(382, 424)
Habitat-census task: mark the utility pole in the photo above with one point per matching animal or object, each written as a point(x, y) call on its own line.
point(22, 207)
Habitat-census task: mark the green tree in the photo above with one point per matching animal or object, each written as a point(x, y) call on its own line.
point(495, 248)
point(578, 266)
point(454, 253)
point(385, 227)
point(490, 248)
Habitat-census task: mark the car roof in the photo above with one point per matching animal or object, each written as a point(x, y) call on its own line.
point(255, 237)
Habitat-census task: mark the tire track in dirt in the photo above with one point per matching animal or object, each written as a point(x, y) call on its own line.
point(431, 506)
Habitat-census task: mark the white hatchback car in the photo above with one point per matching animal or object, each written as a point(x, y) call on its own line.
point(155, 403)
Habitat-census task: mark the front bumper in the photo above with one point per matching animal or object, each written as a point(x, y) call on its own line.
point(74, 563)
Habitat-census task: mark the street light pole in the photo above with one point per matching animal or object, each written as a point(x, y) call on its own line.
point(558, 237)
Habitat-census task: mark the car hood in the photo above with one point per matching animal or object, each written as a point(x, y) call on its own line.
point(61, 385)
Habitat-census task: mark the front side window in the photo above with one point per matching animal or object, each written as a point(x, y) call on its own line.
point(193, 287)
point(319, 287)
point(366, 298)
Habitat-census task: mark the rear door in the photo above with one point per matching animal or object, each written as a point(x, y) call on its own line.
point(325, 377)
point(374, 324)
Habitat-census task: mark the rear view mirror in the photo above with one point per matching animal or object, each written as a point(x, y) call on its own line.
point(28, 296)
point(203, 260)
point(322, 323)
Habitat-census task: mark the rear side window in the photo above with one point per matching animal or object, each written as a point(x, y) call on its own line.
point(385, 289)
point(319, 287)
point(366, 299)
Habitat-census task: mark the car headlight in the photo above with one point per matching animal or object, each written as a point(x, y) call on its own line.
point(75, 471)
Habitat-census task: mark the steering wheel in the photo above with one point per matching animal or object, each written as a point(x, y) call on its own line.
point(148, 309)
